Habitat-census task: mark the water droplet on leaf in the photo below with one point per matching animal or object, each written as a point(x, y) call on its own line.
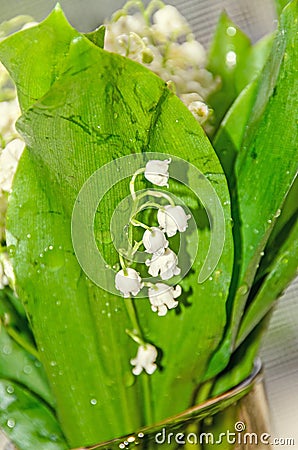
point(243, 289)
point(10, 389)
point(27, 369)
point(11, 423)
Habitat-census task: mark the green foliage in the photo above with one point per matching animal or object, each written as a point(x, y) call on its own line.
point(82, 108)
point(26, 420)
point(264, 172)
point(228, 52)
point(85, 352)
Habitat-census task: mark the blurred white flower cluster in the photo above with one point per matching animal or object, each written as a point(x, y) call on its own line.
point(160, 38)
point(11, 147)
point(163, 262)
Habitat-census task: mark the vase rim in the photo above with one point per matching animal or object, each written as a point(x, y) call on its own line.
point(226, 398)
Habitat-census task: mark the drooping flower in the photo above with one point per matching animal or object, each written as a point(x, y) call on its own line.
point(162, 297)
point(164, 265)
point(173, 219)
point(145, 360)
point(154, 241)
point(157, 172)
point(128, 283)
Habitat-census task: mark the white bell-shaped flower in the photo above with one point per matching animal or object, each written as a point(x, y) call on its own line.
point(162, 297)
point(157, 172)
point(164, 265)
point(128, 283)
point(154, 241)
point(145, 360)
point(173, 219)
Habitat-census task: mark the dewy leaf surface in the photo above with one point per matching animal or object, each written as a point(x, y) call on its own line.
point(266, 166)
point(42, 58)
point(102, 107)
point(27, 421)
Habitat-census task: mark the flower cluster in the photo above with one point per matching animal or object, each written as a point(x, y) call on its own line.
point(162, 263)
point(160, 38)
point(11, 147)
point(6, 271)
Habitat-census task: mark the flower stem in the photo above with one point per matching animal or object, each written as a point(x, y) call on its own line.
point(132, 182)
point(137, 223)
point(148, 407)
point(157, 194)
point(137, 337)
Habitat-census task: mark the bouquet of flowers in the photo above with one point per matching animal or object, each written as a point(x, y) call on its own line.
point(148, 217)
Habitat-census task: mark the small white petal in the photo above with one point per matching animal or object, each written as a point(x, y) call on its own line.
point(164, 265)
point(157, 172)
point(172, 219)
point(162, 297)
point(129, 283)
point(145, 360)
point(154, 241)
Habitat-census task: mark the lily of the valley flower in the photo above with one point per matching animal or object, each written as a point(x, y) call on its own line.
point(162, 297)
point(172, 219)
point(167, 22)
point(145, 360)
point(128, 283)
point(9, 158)
point(154, 241)
point(157, 172)
point(164, 265)
point(6, 271)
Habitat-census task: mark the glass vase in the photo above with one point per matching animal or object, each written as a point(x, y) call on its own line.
point(237, 419)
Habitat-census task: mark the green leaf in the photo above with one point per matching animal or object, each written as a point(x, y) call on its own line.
point(18, 365)
point(97, 36)
point(280, 5)
point(27, 422)
point(243, 359)
point(250, 67)
point(265, 170)
point(229, 49)
point(228, 139)
point(100, 108)
point(279, 274)
point(44, 57)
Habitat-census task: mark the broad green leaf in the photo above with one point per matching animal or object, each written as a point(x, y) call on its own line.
point(279, 274)
point(100, 108)
point(97, 36)
point(280, 5)
point(44, 57)
point(243, 359)
point(228, 139)
point(27, 422)
point(265, 169)
point(287, 217)
point(18, 365)
point(18, 356)
point(229, 49)
point(250, 67)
